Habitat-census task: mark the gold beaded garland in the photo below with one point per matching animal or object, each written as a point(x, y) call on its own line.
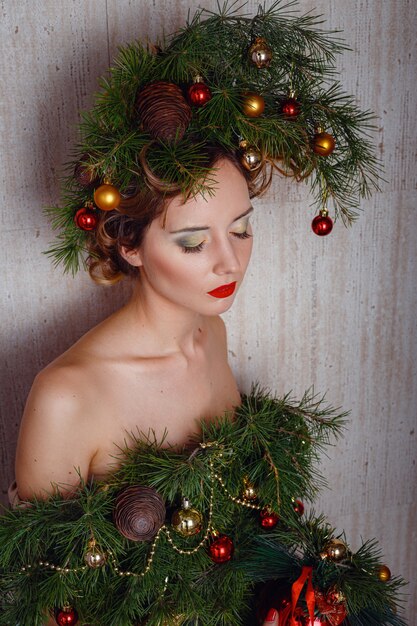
point(94, 558)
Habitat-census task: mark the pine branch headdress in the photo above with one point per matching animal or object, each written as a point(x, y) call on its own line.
point(263, 87)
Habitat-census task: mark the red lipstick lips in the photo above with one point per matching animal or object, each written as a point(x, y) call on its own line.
point(224, 291)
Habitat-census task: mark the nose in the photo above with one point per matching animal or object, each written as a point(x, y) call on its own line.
point(226, 261)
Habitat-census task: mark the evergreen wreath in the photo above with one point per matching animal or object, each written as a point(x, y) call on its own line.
point(264, 87)
point(107, 557)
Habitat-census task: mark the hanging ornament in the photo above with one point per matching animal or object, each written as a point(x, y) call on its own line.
point(323, 143)
point(139, 513)
point(66, 616)
point(298, 507)
point(250, 157)
point(86, 219)
point(335, 550)
point(384, 573)
point(253, 104)
point(322, 224)
point(260, 53)
point(107, 197)
point(83, 174)
point(199, 93)
point(221, 549)
point(269, 519)
point(163, 111)
point(330, 607)
point(249, 494)
point(187, 521)
point(290, 107)
point(93, 557)
point(335, 595)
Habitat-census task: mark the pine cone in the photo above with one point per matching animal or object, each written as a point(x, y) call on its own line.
point(163, 111)
point(83, 174)
point(139, 513)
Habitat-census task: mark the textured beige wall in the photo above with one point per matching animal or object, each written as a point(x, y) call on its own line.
point(337, 313)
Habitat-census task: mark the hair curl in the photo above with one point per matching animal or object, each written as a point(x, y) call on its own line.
point(126, 226)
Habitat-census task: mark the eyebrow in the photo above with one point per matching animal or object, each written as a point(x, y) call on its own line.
point(193, 229)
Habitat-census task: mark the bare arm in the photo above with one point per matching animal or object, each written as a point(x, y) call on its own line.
point(52, 443)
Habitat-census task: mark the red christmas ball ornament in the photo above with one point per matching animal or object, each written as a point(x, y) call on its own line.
point(291, 108)
point(298, 507)
point(333, 611)
point(221, 549)
point(322, 224)
point(86, 219)
point(199, 93)
point(269, 519)
point(66, 616)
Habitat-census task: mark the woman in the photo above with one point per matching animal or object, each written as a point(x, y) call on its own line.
point(160, 362)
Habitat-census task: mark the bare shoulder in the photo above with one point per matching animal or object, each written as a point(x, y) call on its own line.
point(51, 447)
point(53, 396)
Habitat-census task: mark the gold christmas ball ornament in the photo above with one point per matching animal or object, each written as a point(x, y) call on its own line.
point(107, 197)
point(249, 492)
point(187, 521)
point(335, 550)
point(323, 143)
point(260, 53)
point(93, 557)
point(250, 157)
point(384, 573)
point(253, 104)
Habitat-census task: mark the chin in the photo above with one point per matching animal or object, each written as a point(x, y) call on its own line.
point(222, 305)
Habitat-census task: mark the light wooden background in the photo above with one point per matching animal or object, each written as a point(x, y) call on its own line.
point(337, 313)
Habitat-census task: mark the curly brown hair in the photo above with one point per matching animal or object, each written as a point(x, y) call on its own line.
point(126, 226)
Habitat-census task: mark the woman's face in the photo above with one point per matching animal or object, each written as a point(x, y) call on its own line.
point(198, 258)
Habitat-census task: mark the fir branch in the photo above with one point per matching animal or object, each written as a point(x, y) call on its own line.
point(215, 45)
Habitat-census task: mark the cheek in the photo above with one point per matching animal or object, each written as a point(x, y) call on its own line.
point(175, 268)
point(246, 253)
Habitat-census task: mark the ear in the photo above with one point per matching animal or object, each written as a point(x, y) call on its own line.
point(133, 257)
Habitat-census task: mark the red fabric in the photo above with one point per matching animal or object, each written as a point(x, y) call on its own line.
point(305, 576)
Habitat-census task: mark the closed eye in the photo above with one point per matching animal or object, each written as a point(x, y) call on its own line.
point(188, 249)
point(198, 248)
point(244, 235)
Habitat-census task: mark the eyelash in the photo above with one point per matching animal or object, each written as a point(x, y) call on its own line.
point(200, 246)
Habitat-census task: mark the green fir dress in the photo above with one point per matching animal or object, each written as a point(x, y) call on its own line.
point(189, 536)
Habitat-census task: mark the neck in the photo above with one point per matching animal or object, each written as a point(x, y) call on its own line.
point(169, 328)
